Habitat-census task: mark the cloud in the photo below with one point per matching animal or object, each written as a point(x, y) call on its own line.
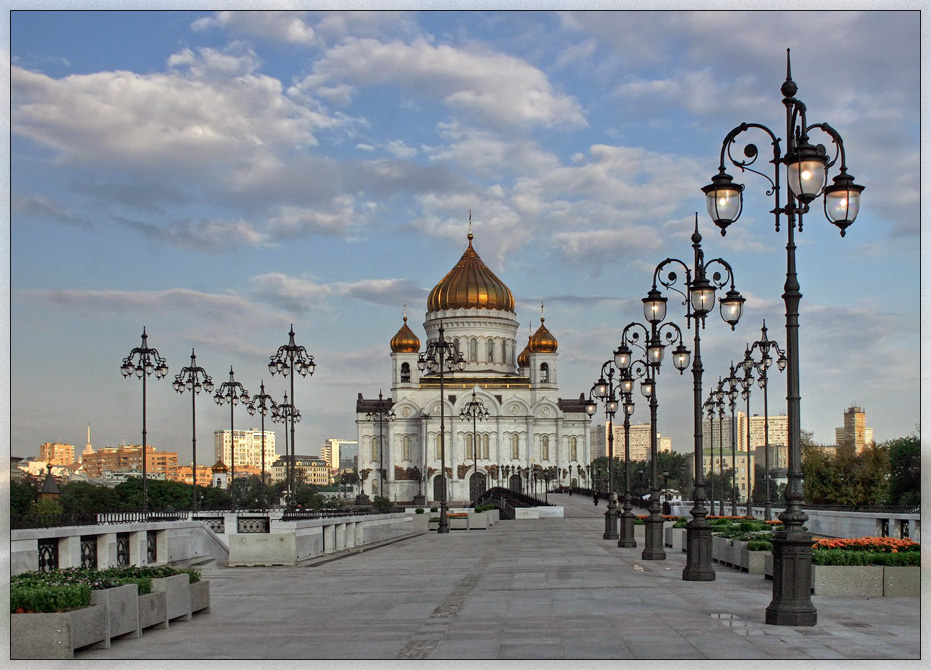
point(166, 121)
point(278, 27)
point(43, 208)
point(389, 292)
point(206, 235)
point(294, 294)
point(498, 88)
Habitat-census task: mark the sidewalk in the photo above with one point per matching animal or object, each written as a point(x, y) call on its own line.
point(528, 589)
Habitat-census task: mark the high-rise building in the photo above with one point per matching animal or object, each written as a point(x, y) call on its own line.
point(854, 434)
point(247, 445)
point(129, 459)
point(56, 453)
point(599, 443)
point(639, 441)
point(88, 449)
point(332, 451)
point(307, 470)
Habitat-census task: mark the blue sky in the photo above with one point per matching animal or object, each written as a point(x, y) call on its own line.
point(216, 177)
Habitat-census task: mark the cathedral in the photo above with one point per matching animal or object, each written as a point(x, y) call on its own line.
point(524, 435)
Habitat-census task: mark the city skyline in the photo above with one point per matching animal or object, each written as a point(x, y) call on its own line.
point(217, 177)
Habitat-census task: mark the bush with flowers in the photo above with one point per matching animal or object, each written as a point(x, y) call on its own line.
point(69, 588)
point(866, 551)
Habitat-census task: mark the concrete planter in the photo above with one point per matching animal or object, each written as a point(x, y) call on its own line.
point(433, 526)
point(57, 635)
point(419, 523)
point(153, 610)
point(720, 548)
point(847, 580)
point(458, 523)
point(478, 521)
point(767, 564)
point(200, 596)
point(740, 555)
point(901, 581)
point(675, 538)
point(756, 562)
point(177, 591)
point(122, 603)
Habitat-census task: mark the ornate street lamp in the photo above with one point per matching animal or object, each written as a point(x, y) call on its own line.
point(629, 373)
point(806, 172)
point(475, 410)
point(232, 393)
point(193, 378)
point(733, 390)
point(292, 359)
point(381, 411)
point(720, 394)
point(710, 406)
point(764, 346)
point(263, 404)
point(656, 338)
point(286, 413)
point(142, 362)
point(700, 282)
point(441, 356)
point(605, 391)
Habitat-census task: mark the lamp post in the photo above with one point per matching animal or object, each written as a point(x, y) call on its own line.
point(710, 406)
point(733, 383)
point(720, 394)
point(285, 412)
point(605, 391)
point(627, 538)
point(764, 346)
point(193, 378)
point(475, 409)
point(259, 403)
point(665, 491)
point(441, 356)
point(657, 338)
point(746, 384)
point(381, 412)
point(806, 171)
point(292, 359)
point(232, 393)
point(700, 282)
point(142, 362)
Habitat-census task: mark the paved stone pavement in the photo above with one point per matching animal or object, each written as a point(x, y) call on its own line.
point(529, 589)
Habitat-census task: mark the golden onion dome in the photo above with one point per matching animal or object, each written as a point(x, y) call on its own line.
point(542, 341)
point(405, 341)
point(523, 361)
point(470, 285)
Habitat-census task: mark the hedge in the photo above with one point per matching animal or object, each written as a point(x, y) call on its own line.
point(847, 557)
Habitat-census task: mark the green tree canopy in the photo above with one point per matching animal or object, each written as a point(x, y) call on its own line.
point(904, 470)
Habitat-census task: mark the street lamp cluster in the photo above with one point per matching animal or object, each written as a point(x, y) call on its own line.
point(144, 361)
point(806, 173)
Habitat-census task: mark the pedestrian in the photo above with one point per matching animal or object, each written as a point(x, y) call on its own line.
point(595, 494)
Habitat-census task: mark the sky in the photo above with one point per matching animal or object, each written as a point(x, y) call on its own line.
point(215, 178)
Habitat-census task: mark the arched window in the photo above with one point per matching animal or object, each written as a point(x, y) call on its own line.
point(544, 373)
point(406, 446)
point(468, 453)
point(573, 449)
point(545, 447)
point(490, 350)
point(405, 372)
point(473, 350)
point(374, 448)
point(515, 446)
point(439, 449)
point(485, 441)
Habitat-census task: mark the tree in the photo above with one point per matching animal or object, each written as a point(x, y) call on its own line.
point(85, 498)
point(904, 470)
point(22, 496)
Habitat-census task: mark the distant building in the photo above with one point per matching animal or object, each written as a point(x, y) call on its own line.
point(639, 441)
point(598, 441)
point(88, 448)
point(738, 462)
point(854, 434)
point(307, 470)
point(332, 451)
point(56, 453)
point(204, 475)
point(129, 459)
point(247, 445)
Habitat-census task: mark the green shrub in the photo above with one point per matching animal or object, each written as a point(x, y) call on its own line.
point(419, 510)
point(759, 545)
point(846, 557)
point(682, 522)
point(43, 598)
point(435, 518)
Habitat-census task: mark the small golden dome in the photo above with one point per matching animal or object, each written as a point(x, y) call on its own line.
point(542, 341)
point(405, 341)
point(470, 285)
point(523, 361)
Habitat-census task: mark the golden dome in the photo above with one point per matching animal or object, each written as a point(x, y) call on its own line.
point(470, 285)
point(404, 341)
point(523, 361)
point(542, 341)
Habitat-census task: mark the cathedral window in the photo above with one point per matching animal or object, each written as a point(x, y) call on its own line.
point(573, 449)
point(374, 448)
point(515, 446)
point(490, 350)
point(406, 447)
point(545, 447)
point(468, 446)
point(485, 441)
point(405, 372)
point(544, 373)
point(473, 350)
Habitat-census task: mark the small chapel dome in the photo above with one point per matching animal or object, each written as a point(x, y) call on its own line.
point(542, 341)
point(405, 341)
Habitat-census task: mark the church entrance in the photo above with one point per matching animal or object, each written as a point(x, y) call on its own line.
point(439, 488)
point(514, 483)
point(476, 485)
